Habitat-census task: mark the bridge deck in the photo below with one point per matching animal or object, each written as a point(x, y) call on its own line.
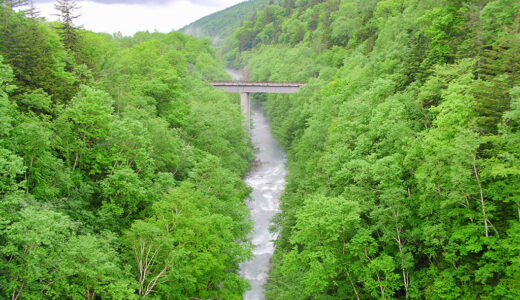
point(257, 87)
point(252, 83)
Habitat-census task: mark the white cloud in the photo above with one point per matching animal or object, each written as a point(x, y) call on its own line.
point(163, 15)
point(147, 2)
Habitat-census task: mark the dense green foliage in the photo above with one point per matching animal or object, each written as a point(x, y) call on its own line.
point(220, 26)
point(120, 167)
point(404, 147)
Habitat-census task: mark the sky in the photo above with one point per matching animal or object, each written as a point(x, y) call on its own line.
point(131, 16)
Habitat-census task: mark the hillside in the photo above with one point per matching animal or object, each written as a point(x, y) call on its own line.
point(122, 169)
point(120, 166)
point(220, 25)
point(403, 148)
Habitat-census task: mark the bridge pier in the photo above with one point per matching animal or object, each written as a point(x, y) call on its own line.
point(244, 88)
point(245, 103)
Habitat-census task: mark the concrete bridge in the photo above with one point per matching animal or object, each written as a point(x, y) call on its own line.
point(246, 87)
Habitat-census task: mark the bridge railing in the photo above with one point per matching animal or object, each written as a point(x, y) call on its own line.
point(244, 82)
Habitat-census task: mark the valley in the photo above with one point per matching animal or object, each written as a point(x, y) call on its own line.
point(393, 173)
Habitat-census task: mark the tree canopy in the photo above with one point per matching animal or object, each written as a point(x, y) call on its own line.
point(403, 146)
point(120, 166)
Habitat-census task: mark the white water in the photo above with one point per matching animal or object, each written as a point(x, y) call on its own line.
point(267, 179)
point(268, 182)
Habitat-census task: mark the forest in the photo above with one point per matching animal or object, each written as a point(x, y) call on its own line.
point(404, 146)
point(221, 25)
point(120, 166)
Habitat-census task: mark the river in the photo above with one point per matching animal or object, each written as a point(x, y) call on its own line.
point(267, 179)
point(268, 182)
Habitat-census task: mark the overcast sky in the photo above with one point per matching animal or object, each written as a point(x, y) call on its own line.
point(137, 15)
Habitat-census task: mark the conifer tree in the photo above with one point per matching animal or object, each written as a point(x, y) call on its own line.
point(16, 3)
point(498, 71)
point(10, 4)
point(31, 11)
point(69, 31)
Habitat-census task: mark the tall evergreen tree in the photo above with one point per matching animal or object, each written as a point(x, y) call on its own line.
point(69, 32)
point(10, 4)
point(15, 3)
point(498, 70)
point(31, 11)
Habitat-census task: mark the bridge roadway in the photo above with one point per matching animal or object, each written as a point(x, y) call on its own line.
point(246, 87)
point(258, 87)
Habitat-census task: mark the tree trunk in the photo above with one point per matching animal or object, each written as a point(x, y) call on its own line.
point(482, 201)
point(353, 286)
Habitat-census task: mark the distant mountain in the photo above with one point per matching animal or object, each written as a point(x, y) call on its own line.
point(221, 25)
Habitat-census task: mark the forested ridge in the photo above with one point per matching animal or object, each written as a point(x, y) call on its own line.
point(120, 166)
point(221, 25)
point(403, 147)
